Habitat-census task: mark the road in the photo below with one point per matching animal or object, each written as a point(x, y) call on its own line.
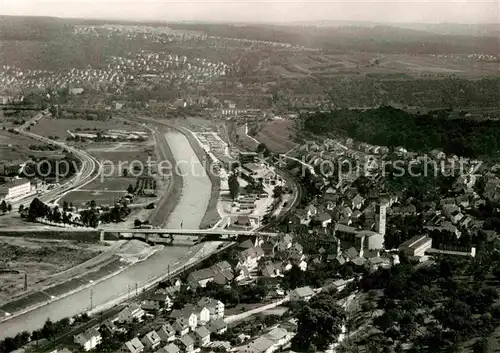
point(85, 175)
point(109, 292)
point(244, 315)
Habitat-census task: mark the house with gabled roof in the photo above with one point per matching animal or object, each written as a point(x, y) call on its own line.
point(250, 257)
point(202, 335)
point(301, 294)
point(214, 306)
point(324, 219)
point(169, 348)
point(88, 339)
point(132, 346)
point(217, 326)
point(131, 312)
point(182, 325)
point(151, 340)
point(357, 202)
point(187, 343)
point(166, 333)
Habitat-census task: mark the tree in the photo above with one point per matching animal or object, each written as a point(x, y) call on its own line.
point(295, 277)
point(21, 209)
point(56, 215)
point(92, 204)
point(262, 148)
point(3, 206)
point(66, 218)
point(319, 324)
point(38, 209)
point(9, 207)
point(481, 345)
point(65, 206)
point(137, 223)
point(277, 192)
point(234, 186)
point(130, 189)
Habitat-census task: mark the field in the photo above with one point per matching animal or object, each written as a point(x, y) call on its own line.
point(15, 148)
point(332, 64)
point(112, 182)
point(40, 259)
point(277, 135)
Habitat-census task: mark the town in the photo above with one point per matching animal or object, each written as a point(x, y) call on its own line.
point(191, 187)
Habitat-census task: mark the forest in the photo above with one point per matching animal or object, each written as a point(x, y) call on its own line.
point(388, 126)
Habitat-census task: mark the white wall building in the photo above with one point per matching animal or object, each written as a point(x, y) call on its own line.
point(15, 189)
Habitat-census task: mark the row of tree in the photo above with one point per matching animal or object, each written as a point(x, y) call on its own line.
point(5, 207)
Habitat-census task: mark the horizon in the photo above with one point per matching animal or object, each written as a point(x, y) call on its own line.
point(463, 12)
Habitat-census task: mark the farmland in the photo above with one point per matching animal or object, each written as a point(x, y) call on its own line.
point(332, 64)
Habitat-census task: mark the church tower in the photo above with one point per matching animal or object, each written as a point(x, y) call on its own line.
point(381, 211)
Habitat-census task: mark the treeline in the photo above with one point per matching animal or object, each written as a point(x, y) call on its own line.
point(428, 92)
point(392, 127)
point(31, 28)
point(49, 168)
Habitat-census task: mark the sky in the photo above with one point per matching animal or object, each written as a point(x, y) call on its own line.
point(419, 11)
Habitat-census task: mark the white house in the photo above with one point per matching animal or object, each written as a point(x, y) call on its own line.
point(163, 298)
point(301, 294)
point(279, 336)
point(203, 315)
point(131, 312)
point(88, 339)
point(216, 307)
point(250, 257)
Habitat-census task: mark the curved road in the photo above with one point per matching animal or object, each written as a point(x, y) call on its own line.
point(84, 176)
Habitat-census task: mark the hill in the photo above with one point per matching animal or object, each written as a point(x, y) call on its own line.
point(367, 38)
point(388, 126)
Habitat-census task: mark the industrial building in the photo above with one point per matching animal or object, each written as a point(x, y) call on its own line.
point(15, 189)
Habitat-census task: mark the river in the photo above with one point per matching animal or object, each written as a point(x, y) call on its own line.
point(189, 212)
point(196, 188)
